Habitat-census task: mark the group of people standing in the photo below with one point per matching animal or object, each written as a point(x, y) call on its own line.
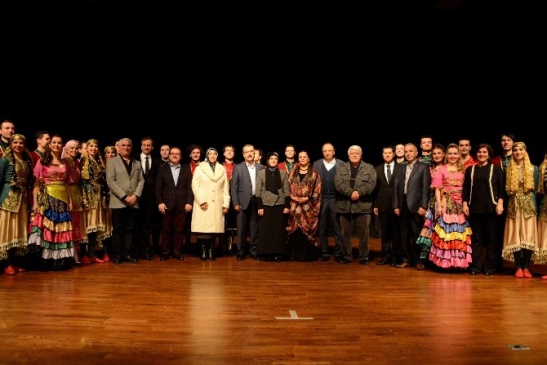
point(441, 209)
point(450, 208)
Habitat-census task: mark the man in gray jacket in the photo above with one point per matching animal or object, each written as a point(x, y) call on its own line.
point(125, 181)
point(355, 180)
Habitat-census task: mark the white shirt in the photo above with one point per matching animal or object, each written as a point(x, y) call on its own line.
point(252, 172)
point(329, 165)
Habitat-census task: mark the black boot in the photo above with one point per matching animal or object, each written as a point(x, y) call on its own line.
point(211, 249)
point(202, 242)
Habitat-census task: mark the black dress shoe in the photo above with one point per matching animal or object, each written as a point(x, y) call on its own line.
point(384, 262)
point(255, 257)
point(488, 273)
point(473, 272)
point(240, 257)
point(277, 259)
point(178, 257)
point(324, 258)
point(148, 257)
point(131, 259)
point(164, 257)
point(344, 261)
point(364, 262)
point(117, 261)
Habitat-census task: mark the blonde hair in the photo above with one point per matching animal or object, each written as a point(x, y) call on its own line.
point(86, 159)
point(512, 183)
point(459, 163)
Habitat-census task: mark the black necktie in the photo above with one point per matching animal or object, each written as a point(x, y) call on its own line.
point(146, 165)
point(388, 166)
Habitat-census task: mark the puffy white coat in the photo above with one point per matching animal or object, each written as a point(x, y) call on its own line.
point(211, 188)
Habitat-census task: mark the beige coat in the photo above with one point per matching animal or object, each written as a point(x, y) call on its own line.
point(213, 189)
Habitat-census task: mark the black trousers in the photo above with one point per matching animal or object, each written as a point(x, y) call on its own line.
point(123, 224)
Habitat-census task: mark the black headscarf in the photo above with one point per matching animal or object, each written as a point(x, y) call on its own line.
point(273, 175)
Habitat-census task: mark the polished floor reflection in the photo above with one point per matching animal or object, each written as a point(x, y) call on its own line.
point(226, 312)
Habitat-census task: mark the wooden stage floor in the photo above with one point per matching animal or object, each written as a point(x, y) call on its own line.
point(255, 312)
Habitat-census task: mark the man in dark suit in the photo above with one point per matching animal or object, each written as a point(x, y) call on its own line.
point(242, 191)
point(382, 208)
point(147, 227)
point(410, 201)
point(174, 198)
point(125, 181)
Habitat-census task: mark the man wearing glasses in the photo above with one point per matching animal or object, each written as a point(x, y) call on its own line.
point(174, 198)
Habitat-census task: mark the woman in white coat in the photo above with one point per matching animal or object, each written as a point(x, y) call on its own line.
point(211, 190)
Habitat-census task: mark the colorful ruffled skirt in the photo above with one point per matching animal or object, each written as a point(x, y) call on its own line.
point(50, 245)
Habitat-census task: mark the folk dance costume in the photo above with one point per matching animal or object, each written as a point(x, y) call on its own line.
point(451, 238)
point(51, 228)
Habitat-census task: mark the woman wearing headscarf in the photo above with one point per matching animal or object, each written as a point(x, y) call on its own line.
point(211, 202)
point(305, 194)
point(16, 180)
point(520, 239)
point(273, 202)
point(70, 154)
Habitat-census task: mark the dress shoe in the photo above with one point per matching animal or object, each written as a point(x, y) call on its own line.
point(178, 257)
point(96, 259)
point(106, 258)
point(488, 273)
point(526, 273)
point(86, 260)
point(131, 259)
point(384, 261)
point(394, 263)
point(324, 258)
point(164, 257)
point(277, 259)
point(344, 261)
point(148, 257)
point(519, 273)
point(544, 277)
point(364, 262)
point(255, 257)
point(473, 272)
point(10, 270)
point(420, 266)
point(403, 265)
point(240, 257)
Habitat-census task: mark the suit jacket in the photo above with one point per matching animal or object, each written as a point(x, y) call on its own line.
point(122, 184)
point(148, 197)
point(383, 193)
point(168, 193)
point(241, 188)
point(265, 197)
point(419, 182)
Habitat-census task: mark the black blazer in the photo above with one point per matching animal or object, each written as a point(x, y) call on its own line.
point(383, 192)
point(168, 193)
point(148, 192)
point(417, 194)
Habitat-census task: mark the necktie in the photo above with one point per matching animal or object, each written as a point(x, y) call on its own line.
point(388, 166)
point(146, 165)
